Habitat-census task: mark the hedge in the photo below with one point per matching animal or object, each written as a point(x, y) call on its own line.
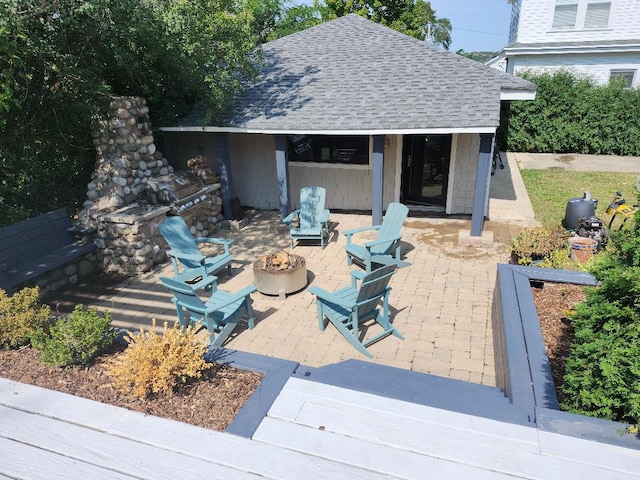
point(572, 115)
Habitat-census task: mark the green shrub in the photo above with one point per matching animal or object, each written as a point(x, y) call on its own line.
point(75, 340)
point(537, 243)
point(20, 316)
point(603, 371)
point(567, 117)
point(154, 363)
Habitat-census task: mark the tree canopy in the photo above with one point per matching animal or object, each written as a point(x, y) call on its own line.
point(61, 59)
point(415, 18)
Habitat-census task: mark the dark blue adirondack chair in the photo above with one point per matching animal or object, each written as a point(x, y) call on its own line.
point(220, 314)
point(385, 249)
point(349, 307)
point(184, 252)
point(313, 217)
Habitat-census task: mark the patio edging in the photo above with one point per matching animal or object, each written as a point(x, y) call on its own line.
point(522, 365)
point(276, 372)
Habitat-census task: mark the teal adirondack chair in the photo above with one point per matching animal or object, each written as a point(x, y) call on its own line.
point(349, 307)
point(220, 314)
point(385, 249)
point(313, 217)
point(184, 252)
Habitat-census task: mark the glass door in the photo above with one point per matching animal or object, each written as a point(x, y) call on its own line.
point(425, 169)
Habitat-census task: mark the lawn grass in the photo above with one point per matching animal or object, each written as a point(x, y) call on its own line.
point(550, 190)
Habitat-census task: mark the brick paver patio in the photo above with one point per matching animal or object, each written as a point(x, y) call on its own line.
point(441, 303)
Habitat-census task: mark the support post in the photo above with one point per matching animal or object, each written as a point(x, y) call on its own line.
point(224, 165)
point(282, 172)
point(377, 179)
point(481, 192)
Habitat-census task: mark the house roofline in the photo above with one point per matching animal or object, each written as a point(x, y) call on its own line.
point(268, 131)
point(563, 49)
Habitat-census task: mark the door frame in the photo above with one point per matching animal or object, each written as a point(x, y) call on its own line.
point(446, 183)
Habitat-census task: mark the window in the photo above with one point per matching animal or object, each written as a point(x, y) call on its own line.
point(348, 149)
point(624, 76)
point(565, 14)
point(597, 14)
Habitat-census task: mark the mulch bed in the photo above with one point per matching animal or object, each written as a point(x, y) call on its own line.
point(553, 301)
point(211, 402)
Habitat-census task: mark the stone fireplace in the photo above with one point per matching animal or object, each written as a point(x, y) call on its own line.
point(128, 165)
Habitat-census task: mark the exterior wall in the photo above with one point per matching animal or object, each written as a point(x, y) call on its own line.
point(536, 20)
point(253, 169)
point(540, 46)
point(464, 166)
point(347, 188)
point(598, 67)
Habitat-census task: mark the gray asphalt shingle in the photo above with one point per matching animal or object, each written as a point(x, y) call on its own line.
point(354, 74)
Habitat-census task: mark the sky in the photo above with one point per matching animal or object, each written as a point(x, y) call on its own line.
point(477, 25)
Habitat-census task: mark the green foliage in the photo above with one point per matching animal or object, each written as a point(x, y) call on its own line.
point(296, 19)
point(481, 57)
point(154, 363)
point(59, 60)
point(537, 243)
point(75, 340)
point(603, 372)
point(410, 17)
point(573, 115)
point(20, 316)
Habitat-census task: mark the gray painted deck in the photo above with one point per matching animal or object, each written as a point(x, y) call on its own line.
point(312, 430)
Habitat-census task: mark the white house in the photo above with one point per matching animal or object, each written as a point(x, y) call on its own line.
point(372, 115)
point(599, 38)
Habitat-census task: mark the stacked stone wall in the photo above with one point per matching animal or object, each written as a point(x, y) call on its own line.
point(126, 156)
point(127, 235)
point(68, 274)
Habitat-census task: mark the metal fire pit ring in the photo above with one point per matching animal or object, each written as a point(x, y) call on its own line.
point(280, 282)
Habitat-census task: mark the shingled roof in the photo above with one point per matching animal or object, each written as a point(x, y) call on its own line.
point(352, 74)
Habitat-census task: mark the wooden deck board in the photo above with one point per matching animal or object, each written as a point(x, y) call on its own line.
point(21, 461)
point(394, 462)
point(100, 436)
point(486, 445)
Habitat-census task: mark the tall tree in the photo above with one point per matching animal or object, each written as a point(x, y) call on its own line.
point(296, 19)
point(60, 59)
point(415, 18)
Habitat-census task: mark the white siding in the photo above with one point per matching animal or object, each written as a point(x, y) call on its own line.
point(464, 172)
point(597, 67)
point(536, 19)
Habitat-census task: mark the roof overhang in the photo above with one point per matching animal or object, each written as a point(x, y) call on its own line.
point(565, 49)
point(302, 131)
point(517, 95)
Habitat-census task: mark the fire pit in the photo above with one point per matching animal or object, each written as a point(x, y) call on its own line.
point(280, 273)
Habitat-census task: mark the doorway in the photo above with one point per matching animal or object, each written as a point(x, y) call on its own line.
point(425, 169)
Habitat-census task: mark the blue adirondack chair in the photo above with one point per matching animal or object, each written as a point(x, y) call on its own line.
point(184, 252)
point(220, 314)
point(313, 217)
point(349, 307)
point(385, 249)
